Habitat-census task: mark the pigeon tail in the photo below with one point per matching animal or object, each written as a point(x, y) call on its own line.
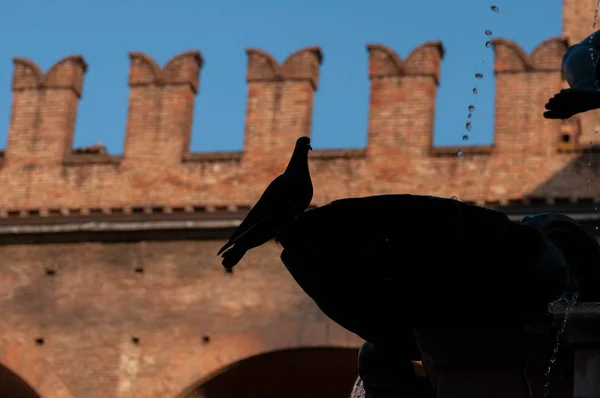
point(225, 247)
point(232, 257)
point(239, 233)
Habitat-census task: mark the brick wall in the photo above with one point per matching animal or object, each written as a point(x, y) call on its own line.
point(189, 316)
point(41, 172)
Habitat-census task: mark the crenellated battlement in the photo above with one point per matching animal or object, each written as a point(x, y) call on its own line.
point(304, 64)
point(422, 61)
point(182, 69)
point(66, 74)
point(546, 57)
point(157, 168)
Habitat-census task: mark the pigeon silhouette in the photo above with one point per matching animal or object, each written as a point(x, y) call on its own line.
point(286, 196)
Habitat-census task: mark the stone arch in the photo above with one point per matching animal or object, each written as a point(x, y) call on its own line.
point(224, 351)
point(26, 363)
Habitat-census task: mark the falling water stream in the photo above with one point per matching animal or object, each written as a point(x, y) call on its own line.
point(471, 108)
point(358, 391)
point(570, 305)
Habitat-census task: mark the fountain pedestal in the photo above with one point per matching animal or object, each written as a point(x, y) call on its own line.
point(583, 332)
point(470, 363)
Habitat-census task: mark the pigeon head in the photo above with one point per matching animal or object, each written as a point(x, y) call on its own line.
point(303, 143)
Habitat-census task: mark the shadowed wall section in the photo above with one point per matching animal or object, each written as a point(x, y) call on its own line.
point(13, 386)
point(315, 373)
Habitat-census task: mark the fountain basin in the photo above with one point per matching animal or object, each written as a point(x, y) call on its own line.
point(402, 261)
point(459, 287)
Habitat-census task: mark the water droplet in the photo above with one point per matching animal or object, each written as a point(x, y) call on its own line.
point(474, 90)
point(471, 108)
point(465, 137)
point(478, 76)
point(459, 153)
point(489, 44)
point(596, 227)
point(454, 197)
point(494, 8)
point(488, 32)
point(468, 126)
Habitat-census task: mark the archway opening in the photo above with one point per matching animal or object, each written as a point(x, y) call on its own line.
point(296, 373)
point(11, 385)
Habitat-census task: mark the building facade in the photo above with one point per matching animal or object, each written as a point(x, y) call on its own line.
point(110, 283)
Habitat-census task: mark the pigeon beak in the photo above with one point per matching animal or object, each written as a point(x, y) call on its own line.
point(309, 147)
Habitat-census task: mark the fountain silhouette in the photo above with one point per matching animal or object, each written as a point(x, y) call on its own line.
point(421, 277)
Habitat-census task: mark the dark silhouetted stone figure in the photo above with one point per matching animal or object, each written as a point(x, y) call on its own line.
point(382, 266)
point(286, 196)
point(581, 70)
point(408, 255)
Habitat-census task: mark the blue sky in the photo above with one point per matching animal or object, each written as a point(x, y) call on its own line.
point(104, 31)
